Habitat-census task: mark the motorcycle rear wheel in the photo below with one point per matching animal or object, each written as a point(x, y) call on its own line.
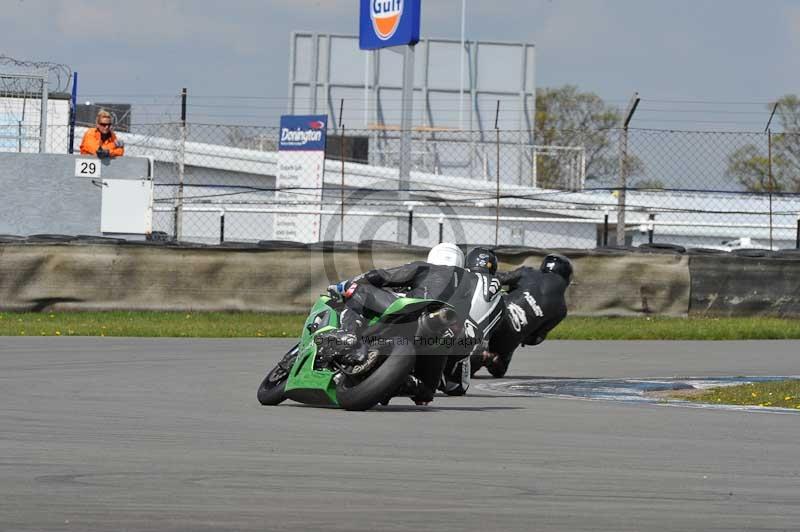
point(380, 383)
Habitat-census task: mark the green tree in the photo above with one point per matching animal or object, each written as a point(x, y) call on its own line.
point(749, 165)
point(567, 117)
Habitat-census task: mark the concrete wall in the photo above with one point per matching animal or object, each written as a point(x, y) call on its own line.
point(40, 193)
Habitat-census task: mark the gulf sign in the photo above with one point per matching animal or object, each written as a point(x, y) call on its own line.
point(386, 23)
point(303, 132)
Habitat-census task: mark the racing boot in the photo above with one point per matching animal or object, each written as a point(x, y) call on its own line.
point(416, 389)
point(344, 344)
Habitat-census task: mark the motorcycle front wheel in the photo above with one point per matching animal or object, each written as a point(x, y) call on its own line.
point(271, 391)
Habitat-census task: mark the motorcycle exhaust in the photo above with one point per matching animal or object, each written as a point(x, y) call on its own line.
point(435, 323)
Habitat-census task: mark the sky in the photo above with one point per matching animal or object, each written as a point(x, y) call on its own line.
point(697, 64)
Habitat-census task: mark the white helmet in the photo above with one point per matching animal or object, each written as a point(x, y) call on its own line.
point(446, 254)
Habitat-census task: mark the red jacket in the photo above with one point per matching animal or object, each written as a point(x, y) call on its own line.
point(91, 142)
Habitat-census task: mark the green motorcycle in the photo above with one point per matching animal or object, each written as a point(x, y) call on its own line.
point(411, 337)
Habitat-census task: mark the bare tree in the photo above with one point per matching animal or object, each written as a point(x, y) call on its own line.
point(749, 165)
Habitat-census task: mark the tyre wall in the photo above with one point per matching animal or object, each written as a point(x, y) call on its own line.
point(104, 274)
point(749, 284)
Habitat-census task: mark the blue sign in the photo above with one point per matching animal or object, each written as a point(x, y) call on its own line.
point(388, 23)
point(303, 132)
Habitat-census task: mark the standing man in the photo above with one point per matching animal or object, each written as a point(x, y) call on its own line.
point(535, 304)
point(101, 140)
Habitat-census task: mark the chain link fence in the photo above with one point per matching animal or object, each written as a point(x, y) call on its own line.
point(726, 190)
point(693, 189)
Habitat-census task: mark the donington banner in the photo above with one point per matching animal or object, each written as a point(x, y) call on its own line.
point(301, 162)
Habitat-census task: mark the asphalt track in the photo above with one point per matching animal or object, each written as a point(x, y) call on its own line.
point(152, 434)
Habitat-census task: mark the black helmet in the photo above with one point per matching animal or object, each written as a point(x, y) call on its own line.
point(481, 260)
point(559, 264)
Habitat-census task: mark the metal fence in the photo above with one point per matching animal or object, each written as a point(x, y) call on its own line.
point(23, 123)
point(27, 110)
point(219, 183)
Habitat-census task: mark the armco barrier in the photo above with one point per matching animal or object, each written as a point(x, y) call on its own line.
point(106, 275)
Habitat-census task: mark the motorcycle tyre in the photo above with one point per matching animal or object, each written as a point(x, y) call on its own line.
point(273, 393)
point(383, 381)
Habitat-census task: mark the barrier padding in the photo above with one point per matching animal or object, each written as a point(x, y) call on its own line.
point(70, 276)
point(134, 276)
point(618, 282)
point(739, 285)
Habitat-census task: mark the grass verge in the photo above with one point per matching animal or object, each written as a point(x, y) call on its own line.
point(152, 324)
point(255, 325)
point(578, 328)
point(783, 394)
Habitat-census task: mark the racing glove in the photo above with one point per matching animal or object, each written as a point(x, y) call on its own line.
point(339, 291)
point(102, 154)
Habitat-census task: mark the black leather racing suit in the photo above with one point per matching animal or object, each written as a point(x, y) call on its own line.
point(486, 311)
point(535, 304)
point(368, 298)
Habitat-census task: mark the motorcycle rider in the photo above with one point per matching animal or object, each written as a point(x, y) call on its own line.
point(485, 314)
point(535, 304)
point(441, 276)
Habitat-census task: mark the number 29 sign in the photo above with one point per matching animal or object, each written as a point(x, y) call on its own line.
point(87, 168)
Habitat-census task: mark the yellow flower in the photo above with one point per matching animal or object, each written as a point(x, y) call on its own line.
point(58, 333)
point(787, 398)
point(754, 394)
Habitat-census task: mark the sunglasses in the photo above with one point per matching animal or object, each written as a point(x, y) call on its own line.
point(104, 124)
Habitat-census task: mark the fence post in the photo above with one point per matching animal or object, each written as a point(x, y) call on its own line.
point(441, 228)
point(797, 238)
point(605, 228)
point(623, 169)
point(410, 222)
point(181, 169)
point(341, 156)
point(73, 112)
point(650, 228)
point(43, 115)
point(771, 183)
point(497, 168)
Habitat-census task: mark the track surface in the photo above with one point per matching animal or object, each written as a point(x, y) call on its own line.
point(141, 434)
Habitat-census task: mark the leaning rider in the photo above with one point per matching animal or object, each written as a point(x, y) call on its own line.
point(485, 314)
point(535, 304)
point(441, 276)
